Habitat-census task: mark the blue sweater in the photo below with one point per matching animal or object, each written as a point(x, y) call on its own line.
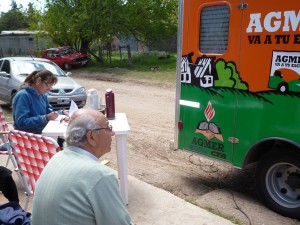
point(30, 110)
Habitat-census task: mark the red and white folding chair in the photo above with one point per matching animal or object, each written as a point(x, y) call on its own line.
point(32, 152)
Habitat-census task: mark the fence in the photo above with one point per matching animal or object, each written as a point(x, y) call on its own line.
point(17, 52)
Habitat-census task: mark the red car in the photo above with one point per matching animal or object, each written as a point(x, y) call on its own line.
point(66, 57)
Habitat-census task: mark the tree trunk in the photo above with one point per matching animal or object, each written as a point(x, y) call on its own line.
point(84, 46)
point(99, 59)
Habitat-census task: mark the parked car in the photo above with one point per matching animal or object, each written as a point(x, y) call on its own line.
point(66, 57)
point(13, 71)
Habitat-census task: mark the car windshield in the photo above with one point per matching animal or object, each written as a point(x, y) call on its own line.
point(66, 51)
point(27, 67)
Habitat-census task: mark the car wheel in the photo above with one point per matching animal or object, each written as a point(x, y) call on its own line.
point(283, 87)
point(67, 66)
point(277, 181)
point(11, 100)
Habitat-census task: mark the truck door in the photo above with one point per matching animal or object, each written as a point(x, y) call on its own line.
point(208, 76)
point(270, 66)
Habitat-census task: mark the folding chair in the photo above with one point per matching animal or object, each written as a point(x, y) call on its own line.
point(4, 143)
point(32, 152)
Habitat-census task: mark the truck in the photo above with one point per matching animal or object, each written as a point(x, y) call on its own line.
point(238, 91)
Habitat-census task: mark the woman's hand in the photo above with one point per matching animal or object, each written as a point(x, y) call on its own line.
point(52, 115)
point(65, 119)
point(66, 112)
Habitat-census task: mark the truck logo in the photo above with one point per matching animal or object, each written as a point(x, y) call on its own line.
point(285, 71)
point(205, 72)
point(209, 129)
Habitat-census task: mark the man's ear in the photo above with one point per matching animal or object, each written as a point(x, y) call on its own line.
point(90, 137)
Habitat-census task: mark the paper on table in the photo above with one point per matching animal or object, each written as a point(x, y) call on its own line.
point(60, 117)
point(73, 108)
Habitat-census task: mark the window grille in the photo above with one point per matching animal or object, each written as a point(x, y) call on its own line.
point(214, 26)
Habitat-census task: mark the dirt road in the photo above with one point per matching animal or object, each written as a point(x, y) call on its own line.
point(150, 109)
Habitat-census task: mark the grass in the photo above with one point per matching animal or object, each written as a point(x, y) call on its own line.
point(192, 201)
point(217, 212)
point(223, 215)
point(143, 66)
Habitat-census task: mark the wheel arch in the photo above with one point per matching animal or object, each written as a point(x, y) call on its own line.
point(14, 91)
point(261, 148)
point(12, 94)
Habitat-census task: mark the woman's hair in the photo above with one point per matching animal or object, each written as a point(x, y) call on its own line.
point(77, 130)
point(45, 75)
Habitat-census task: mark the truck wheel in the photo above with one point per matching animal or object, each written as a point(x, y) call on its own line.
point(283, 87)
point(277, 179)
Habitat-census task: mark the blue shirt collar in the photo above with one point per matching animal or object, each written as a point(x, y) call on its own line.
point(33, 91)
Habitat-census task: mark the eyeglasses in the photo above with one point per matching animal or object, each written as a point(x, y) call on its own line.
point(110, 128)
point(48, 85)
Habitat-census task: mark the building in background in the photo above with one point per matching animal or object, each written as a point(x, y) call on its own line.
point(21, 43)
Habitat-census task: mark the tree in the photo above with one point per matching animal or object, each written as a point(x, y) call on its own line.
point(79, 22)
point(82, 22)
point(228, 76)
point(33, 17)
point(150, 21)
point(14, 19)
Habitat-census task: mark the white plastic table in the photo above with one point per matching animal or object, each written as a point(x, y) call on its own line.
point(121, 128)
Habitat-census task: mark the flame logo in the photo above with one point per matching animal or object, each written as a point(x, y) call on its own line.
point(209, 112)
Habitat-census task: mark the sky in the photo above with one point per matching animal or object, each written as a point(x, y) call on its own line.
point(5, 5)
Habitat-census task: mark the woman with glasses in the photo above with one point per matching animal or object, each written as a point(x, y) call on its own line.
point(31, 109)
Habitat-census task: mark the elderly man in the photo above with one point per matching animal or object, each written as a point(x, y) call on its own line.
point(74, 188)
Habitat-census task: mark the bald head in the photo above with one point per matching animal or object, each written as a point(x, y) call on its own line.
point(89, 129)
point(80, 114)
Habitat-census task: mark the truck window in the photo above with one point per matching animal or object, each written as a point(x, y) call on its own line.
point(214, 23)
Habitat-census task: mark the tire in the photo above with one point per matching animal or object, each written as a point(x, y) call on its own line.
point(277, 180)
point(11, 100)
point(67, 66)
point(283, 87)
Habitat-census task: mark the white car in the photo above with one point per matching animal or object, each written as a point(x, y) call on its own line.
point(13, 71)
